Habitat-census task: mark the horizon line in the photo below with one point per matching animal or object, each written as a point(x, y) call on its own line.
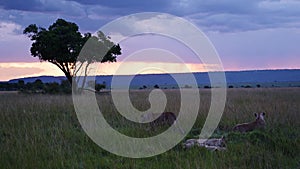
point(243, 70)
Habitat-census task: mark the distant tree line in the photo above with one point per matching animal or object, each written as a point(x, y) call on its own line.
point(205, 86)
point(39, 87)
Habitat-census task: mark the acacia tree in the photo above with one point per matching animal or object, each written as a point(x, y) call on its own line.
point(62, 42)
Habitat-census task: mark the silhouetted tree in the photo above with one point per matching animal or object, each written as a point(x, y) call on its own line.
point(62, 42)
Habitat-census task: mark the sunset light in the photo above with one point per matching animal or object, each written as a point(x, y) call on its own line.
point(19, 70)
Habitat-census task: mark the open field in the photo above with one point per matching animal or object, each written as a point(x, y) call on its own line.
point(42, 131)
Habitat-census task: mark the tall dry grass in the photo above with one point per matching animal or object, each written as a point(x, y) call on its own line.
point(42, 131)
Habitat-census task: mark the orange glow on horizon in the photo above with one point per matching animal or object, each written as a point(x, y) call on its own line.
point(14, 70)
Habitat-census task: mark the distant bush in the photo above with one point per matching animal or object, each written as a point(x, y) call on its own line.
point(207, 87)
point(248, 86)
point(99, 87)
point(143, 87)
point(187, 86)
point(50, 88)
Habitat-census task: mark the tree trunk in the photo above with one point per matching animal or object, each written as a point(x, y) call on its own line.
point(74, 85)
point(69, 77)
point(85, 75)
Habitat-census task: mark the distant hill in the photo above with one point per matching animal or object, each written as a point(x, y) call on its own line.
point(252, 78)
point(44, 79)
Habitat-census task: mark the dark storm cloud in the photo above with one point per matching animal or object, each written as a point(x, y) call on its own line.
point(212, 15)
point(234, 15)
point(141, 5)
point(183, 7)
point(23, 5)
point(44, 7)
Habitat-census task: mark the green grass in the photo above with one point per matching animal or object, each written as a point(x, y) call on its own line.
point(42, 131)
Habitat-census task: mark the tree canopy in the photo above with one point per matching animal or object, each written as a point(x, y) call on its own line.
point(62, 42)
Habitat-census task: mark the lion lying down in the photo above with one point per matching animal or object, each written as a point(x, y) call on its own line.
point(214, 144)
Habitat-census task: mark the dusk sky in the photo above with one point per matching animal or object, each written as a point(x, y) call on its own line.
point(248, 35)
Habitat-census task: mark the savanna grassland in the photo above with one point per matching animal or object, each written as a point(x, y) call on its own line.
point(42, 131)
